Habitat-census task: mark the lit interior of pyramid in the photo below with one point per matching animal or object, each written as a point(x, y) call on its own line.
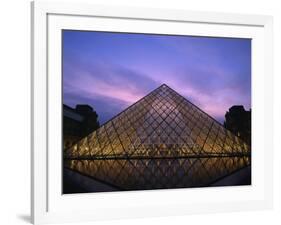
point(161, 141)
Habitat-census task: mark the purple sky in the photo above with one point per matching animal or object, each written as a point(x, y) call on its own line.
point(111, 71)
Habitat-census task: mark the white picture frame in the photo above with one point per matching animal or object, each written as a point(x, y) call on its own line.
point(48, 205)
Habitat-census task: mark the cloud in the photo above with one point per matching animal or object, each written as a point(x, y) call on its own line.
point(213, 73)
point(108, 88)
point(108, 80)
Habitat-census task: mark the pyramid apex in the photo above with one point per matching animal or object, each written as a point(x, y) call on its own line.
point(164, 86)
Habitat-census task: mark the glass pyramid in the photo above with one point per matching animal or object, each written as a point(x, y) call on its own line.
point(161, 141)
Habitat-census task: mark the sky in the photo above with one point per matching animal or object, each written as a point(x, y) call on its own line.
point(110, 71)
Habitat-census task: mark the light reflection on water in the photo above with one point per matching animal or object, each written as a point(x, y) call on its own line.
point(141, 174)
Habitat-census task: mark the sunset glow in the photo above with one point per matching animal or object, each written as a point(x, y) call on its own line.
point(111, 71)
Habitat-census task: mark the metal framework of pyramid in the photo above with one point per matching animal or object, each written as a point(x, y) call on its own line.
point(163, 124)
point(161, 141)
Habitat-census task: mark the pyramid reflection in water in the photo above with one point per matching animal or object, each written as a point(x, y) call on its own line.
point(161, 141)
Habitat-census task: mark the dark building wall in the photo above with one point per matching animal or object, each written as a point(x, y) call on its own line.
point(78, 123)
point(238, 120)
